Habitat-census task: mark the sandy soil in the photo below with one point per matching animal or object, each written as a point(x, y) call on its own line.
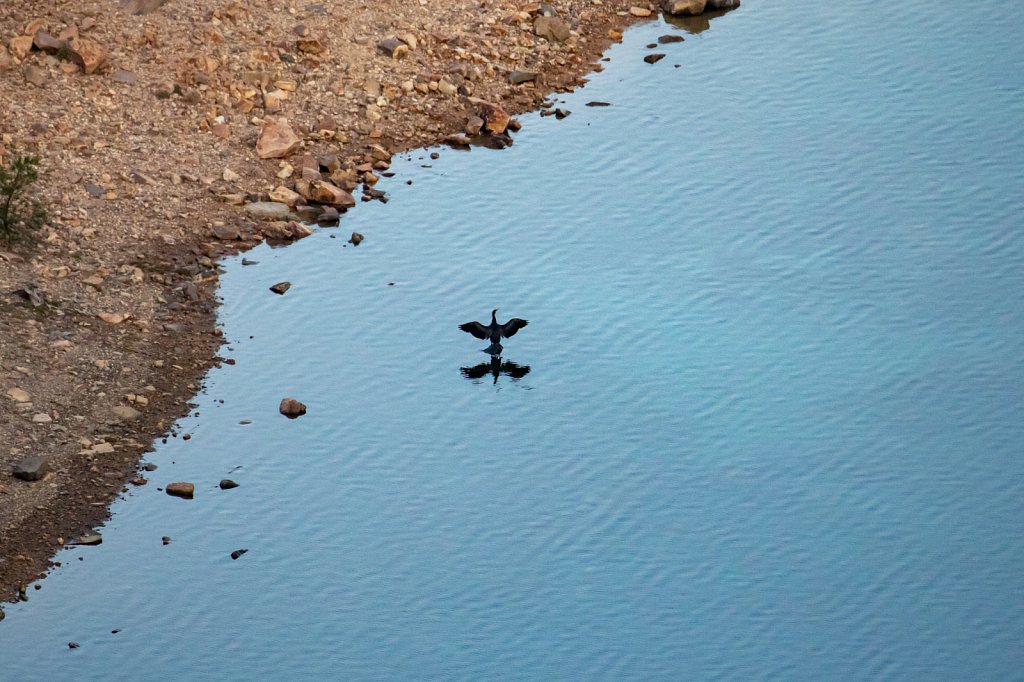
point(149, 158)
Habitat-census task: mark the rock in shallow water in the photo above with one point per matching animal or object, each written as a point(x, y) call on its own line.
point(281, 287)
point(181, 489)
point(292, 408)
point(227, 484)
point(237, 553)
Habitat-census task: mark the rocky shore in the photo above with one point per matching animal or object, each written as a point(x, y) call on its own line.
point(172, 132)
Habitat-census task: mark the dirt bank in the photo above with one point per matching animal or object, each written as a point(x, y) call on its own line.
point(147, 125)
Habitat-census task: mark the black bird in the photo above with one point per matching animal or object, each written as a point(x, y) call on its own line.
point(494, 331)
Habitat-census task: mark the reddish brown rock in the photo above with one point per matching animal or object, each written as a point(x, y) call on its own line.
point(684, 7)
point(325, 192)
point(277, 139)
point(184, 490)
point(88, 54)
point(292, 408)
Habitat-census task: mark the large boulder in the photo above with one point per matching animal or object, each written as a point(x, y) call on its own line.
point(277, 139)
point(684, 7)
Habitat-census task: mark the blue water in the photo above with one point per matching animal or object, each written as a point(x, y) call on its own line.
point(771, 429)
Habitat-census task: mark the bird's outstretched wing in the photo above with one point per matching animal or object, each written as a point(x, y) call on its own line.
point(474, 328)
point(509, 329)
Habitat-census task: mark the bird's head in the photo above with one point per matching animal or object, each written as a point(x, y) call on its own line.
point(494, 312)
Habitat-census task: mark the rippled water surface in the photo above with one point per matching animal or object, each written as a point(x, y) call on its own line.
point(772, 425)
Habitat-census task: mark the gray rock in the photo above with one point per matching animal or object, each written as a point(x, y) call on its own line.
point(520, 77)
point(268, 210)
point(551, 28)
point(90, 539)
point(31, 468)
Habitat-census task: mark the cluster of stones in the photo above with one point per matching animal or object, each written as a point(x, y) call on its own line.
point(69, 46)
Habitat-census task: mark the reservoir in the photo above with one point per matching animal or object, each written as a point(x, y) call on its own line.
point(765, 422)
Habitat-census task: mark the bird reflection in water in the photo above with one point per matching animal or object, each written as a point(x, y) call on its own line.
point(496, 366)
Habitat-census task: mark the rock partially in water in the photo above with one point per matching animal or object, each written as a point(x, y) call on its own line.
point(181, 489)
point(654, 58)
point(356, 239)
point(292, 408)
point(722, 4)
point(670, 38)
point(237, 553)
point(227, 484)
point(683, 7)
point(90, 539)
point(281, 287)
point(31, 468)
point(73, 645)
point(166, 540)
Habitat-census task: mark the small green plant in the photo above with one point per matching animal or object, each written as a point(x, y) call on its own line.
point(20, 212)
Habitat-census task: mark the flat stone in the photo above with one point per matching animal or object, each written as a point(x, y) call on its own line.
point(281, 287)
point(31, 468)
point(181, 489)
point(42, 418)
point(654, 58)
point(670, 38)
point(18, 395)
point(292, 408)
point(90, 539)
point(267, 210)
point(226, 232)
